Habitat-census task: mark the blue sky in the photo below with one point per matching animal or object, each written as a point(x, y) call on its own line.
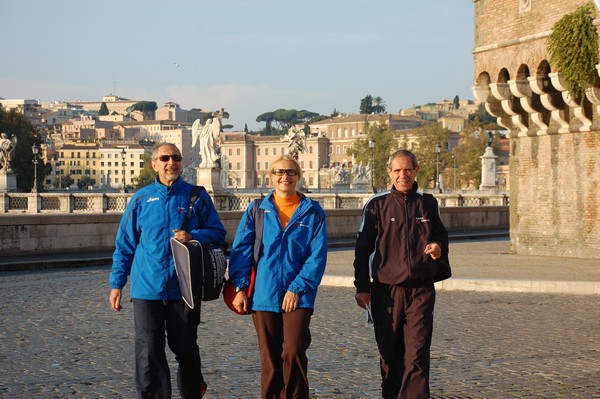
point(249, 56)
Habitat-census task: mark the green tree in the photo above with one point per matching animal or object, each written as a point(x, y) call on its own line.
point(15, 123)
point(147, 174)
point(384, 145)
point(284, 119)
point(456, 102)
point(472, 143)
point(267, 117)
point(378, 105)
point(481, 116)
point(428, 136)
point(85, 182)
point(366, 105)
point(63, 181)
point(146, 107)
point(103, 109)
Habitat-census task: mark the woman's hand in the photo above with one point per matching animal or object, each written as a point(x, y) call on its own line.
point(241, 302)
point(290, 302)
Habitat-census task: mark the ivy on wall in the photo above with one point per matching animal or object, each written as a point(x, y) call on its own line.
point(573, 49)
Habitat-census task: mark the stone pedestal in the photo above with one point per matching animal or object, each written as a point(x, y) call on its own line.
point(488, 169)
point(210, 178)
point(8, 182)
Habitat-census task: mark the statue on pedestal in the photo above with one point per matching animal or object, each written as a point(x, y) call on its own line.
point(296, 140)
point(208, 138)
point(7, 149)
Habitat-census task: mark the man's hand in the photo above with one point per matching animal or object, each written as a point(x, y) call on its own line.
point(182, 235)
point(434, 250)
point(115, 299)
point(363, 299)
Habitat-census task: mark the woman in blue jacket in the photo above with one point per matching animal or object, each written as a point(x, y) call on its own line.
point(289, 270)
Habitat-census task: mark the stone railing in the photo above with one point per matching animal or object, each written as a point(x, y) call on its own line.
point(50, 233)
point(116, 202)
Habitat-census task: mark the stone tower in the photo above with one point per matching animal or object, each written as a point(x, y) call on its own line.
point(554, 142)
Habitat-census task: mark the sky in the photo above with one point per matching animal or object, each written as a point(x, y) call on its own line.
point(247, 56)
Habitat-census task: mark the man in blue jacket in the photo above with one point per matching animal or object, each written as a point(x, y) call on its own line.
point(155, 214)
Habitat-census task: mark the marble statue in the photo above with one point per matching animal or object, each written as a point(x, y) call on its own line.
point(7, 149)
point(296, 140)
point(207, 137)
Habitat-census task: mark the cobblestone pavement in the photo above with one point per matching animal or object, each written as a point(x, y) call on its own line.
point(59, 339)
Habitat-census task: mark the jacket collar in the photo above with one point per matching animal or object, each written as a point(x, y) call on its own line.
point(165, 190)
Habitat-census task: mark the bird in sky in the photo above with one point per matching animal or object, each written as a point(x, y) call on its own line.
point(176, 64)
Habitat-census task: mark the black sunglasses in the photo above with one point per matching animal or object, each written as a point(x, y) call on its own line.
point(289, 172)
point(165, 158)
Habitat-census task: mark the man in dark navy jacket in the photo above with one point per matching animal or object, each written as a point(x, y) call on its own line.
point(400, 238)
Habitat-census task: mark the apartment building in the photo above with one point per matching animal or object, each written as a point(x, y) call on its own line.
point(107, 165)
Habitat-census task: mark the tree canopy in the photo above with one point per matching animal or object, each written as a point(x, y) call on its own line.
point(147, 174)
point(284, 119)
point(372, 105)
point(384, 143)
point(103, 109)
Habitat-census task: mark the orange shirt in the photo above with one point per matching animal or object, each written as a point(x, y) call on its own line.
point(286, 207)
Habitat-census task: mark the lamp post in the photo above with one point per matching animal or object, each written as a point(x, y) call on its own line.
point(123, 154)
point(35, 149)
point(438, 149)
point(372, 161)
point(454, 171)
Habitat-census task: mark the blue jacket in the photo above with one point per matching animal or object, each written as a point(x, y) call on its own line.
point(291, 260)
point(142, 244)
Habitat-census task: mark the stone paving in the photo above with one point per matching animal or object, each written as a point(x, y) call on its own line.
point(60, 339)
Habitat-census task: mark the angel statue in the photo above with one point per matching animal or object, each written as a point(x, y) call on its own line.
point(7, 149)
point(207, 136)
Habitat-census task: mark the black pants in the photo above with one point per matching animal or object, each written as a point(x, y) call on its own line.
point(152, 319)
point(403, 322)
point(283, 339)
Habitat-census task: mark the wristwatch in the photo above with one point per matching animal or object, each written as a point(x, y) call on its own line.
point(238, 289)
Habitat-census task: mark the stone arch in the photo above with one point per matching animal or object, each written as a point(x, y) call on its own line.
point(503, 76)
point(523, 72)
point(483, 79)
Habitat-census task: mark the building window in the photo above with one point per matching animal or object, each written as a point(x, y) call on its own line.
point(337, 149)
point(345, 149)
point(266, 151)
point(238, 151)
point(258, 152)
point(238, 166)
point(258, 166)
point(230, 152)
point(310, 164)
point(266, 166)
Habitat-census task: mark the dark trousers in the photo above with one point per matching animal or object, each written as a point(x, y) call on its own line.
point(152, 319)
point(283, 339)
point(403, 322)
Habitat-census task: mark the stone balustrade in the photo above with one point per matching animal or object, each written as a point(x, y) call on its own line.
point(75, 202)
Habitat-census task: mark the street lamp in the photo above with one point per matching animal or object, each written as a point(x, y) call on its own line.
point(438, 149)
point(35, 149)
point(372, 161)
point(123, 154)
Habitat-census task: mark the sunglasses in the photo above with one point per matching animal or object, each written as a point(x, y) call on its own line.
point(281, 172)
point(174, 157)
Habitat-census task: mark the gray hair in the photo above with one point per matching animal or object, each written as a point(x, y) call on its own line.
point(403, 153)
point(155, 150)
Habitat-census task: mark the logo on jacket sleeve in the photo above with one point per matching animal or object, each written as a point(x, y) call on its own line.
point(422, 220)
